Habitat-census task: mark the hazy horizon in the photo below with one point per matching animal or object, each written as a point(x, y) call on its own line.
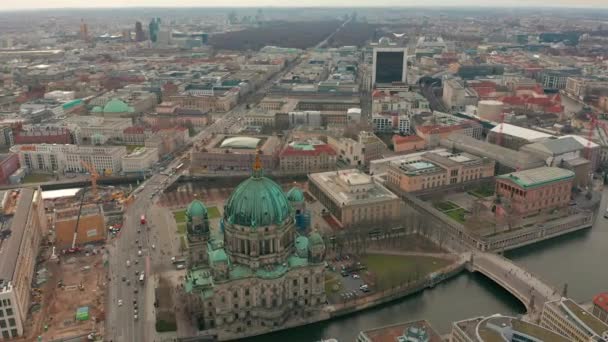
point(79, 4)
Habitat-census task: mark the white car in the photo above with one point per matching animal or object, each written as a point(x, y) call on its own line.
point(135, 317)
point(153, 246)
point(120, 302)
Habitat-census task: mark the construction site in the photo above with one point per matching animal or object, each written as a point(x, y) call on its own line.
point(69, 287)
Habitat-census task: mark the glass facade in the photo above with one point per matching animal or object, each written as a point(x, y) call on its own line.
point(389, 67)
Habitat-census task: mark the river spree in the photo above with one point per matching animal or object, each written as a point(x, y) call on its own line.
point(578, 259)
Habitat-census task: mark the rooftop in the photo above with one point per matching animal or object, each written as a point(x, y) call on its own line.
point(12, 231)
point(333, 184)
point(497, 329)
point(240, 142)
point(306, 149)
point(583, 318)
point(392, 333)
point(521, 132)
point(538, 176)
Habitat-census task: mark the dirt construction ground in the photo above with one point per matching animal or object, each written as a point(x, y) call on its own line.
point(59, 304)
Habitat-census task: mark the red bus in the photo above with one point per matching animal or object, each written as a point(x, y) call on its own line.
point(142, 219)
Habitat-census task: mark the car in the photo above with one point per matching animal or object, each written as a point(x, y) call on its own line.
point(135, 290)
point(136, 261)
point(138, 231)
point(137, 242)
point(135, 311)
point(120, 302)
point(128, 283)
point(153, 246)
point(139, 253)
point(136, 272)
point(124, 278)
point(135, 317)
point(356, 276)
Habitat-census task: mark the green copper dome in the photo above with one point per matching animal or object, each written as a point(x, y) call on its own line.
point(315, 239)
point(117, 106)
point(256, 202)
point(295, 195)
point(196, 209)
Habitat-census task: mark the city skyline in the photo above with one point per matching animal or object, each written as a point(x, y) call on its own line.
point(38, 4)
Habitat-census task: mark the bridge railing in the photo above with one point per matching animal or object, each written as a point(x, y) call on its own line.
point(532, 275)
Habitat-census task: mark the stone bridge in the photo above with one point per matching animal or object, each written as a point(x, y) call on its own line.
point(528, 288)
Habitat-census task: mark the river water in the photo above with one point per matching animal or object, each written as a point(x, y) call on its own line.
point(578, 259)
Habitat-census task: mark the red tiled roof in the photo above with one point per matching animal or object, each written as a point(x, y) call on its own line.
point(134, 130)
point(319, 149)
point(399, 139)
point(601, 300)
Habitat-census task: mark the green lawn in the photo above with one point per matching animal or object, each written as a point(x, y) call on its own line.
point(181, 228)
point(131, 148)
point(392, 270)
point(37, 178)
point(445, 206)
point(332, 283)
point(482, 191)
point(457, 214)
point(213, 213)
point(180, 216)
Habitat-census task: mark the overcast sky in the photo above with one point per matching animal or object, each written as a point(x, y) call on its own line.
point(37, 4)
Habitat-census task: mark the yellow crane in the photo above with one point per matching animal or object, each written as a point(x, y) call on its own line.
point(94, 176)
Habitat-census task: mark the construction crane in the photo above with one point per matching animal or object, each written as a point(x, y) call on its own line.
point(94, 176)
point(73, 248)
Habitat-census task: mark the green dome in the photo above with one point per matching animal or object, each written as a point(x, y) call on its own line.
point(196, 209)
point(315, 239)
point(256, 202)
point(117, 106)
point(97, 109)
point(295, 195)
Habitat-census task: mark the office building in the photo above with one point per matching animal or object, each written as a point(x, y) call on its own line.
point(140, 160)
point(153, 29)
point(307, 156)
point(502, 328)
point(436, 169)
point(556, 78)
point(354, 198)
point(456, 96)
point(389, 63)
point(24, 224)
point(140, 35)
point(531, 191)
point(567, 318)
point(260, 275)
point(418, 331)
point(358, 152)
point(9, 163)
point(391, 123)
point(69, 158)
point(410, 143)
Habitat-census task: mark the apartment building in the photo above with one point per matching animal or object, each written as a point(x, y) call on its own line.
point(24, 224)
